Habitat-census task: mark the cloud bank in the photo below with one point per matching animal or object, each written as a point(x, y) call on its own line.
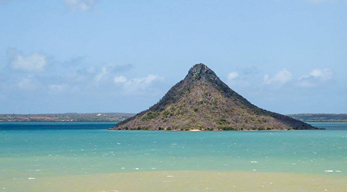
point(316, 78)
point(35, 62)
point(136, 84)
point(37, 73)
point(283, 79)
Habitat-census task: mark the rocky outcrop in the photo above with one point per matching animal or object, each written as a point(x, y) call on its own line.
point(202, 101)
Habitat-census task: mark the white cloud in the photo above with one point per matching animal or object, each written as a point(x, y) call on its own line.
point(144, 81)
point(102, 74)
point(119, 79)
point(267, 79)
point(26, 83)
point(282, 77)
point(31, 63)
point(325, 74)
point(58, 87)
point(316, 77)
point(136, 84)
point(231, 76)
point(82, 5)
point(109, 69)
point(235, 80)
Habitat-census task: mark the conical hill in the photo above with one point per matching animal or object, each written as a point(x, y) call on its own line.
point(202, 101)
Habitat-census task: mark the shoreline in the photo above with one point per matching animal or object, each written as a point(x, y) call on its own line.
point(158, 181)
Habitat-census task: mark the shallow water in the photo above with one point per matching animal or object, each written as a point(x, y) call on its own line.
point(45, 153)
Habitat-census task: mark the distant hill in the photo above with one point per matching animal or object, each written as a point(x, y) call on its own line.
point(201, 101)
point(307, 117)
point(65, 117)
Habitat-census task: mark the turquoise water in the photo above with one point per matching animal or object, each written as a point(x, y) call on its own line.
point(59, 149)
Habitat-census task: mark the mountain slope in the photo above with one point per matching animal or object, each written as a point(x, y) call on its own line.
point(202, 101)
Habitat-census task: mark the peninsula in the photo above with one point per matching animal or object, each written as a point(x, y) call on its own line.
point(201, 101)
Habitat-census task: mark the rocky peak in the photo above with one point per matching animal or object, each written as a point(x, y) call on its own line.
point(201, 72)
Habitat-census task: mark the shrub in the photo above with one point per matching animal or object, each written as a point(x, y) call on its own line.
point(222, 121)
point(166, 113)
point(207, 115)
point(150, 115)
point(228, 129)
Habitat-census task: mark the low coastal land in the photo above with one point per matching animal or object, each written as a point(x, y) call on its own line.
point(66, 117)
point(116, 117)
point(320, 117)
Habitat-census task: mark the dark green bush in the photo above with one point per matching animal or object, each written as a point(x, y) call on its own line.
point(150, 115)
point(222, 121)
point(228, 129)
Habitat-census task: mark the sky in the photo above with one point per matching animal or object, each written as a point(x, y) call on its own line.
point(287, 56)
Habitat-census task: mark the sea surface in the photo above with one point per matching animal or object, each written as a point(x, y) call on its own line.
point(88, 157)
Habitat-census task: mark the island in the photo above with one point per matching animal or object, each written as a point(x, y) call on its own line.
point(201, 101)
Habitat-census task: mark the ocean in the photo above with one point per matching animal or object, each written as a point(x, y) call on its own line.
point(88, 157)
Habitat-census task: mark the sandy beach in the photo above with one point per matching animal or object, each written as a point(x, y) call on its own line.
point(180, 181)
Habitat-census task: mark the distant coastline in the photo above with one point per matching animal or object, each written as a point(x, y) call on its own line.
point(116, 117)
point(320, 117)
point(65, 117)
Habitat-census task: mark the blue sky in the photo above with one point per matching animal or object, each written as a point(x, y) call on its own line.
point(288, 56)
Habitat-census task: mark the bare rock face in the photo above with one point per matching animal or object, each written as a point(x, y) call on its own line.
point(202, 101)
